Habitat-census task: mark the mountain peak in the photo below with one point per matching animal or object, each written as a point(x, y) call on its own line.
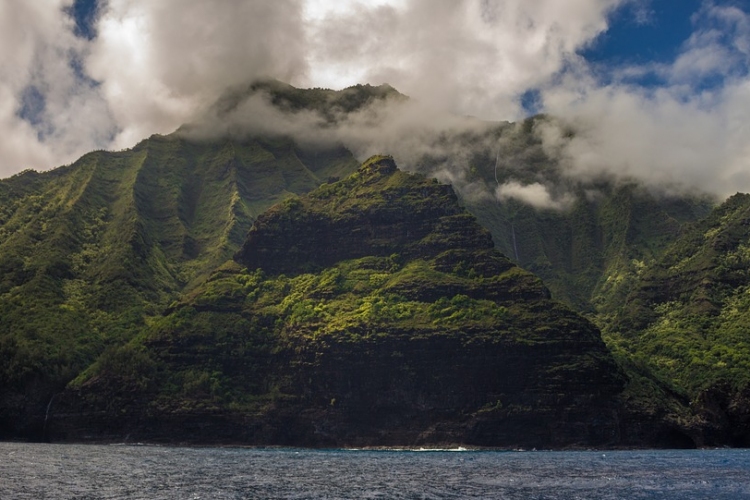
point(380, 164)
point(379, 210)
point(287, 98)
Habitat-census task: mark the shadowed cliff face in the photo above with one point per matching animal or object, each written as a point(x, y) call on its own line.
point(412, 331)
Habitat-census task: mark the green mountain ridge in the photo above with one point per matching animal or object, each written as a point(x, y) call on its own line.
point(609, 226)
point(340, 341)
point(94, 253)
point(687, 317)
point(89, 252)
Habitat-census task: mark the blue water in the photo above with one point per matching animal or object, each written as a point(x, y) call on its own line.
point(43, 471)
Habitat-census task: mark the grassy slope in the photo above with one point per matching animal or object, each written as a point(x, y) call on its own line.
point(687, 315)
point(89, 252)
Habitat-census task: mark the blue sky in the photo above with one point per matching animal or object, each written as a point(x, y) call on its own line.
point(655, 32)
point(641, 33)
point(84, 12)
point(638, 33)
point(657, 88)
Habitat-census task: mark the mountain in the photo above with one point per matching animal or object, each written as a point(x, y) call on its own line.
point(595, 232)
point(687, 318)
point(372, 311)
point(96, 256)
point(90, 251)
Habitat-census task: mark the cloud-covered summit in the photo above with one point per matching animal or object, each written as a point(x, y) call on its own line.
point(150, 66)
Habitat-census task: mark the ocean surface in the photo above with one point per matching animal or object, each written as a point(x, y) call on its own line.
point(45, 471)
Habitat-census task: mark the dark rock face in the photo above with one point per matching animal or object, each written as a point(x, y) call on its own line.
point(374, 312)
point(451, 390)
point(396, 391)
point(727, 412)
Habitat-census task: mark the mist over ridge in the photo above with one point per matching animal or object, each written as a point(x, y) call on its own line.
point(145, 67)
point(541, 161)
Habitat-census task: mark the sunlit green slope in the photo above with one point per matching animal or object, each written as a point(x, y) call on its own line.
point(90, 251)
point(687, 317)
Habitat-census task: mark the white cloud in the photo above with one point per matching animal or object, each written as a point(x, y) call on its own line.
point(537, 195)
point(155, 65)
point(161, 62)
point(681, 135)
point(406, 129)
point(318, 10)
point(474, 57)
point(48, 112)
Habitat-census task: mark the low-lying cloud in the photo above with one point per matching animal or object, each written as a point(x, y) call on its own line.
point(536, 194)
point(405, 128)
point(154, 66)
point(683, 134)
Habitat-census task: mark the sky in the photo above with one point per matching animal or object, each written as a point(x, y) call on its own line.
point(656, 89)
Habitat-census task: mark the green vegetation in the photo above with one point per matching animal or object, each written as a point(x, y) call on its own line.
point(108, 264)
point(92, 253)
point(352, 298)
point(241, 340)
point(686, 315)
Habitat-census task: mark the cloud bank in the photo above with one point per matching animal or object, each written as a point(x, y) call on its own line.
point(155, 65)
point(687, 132)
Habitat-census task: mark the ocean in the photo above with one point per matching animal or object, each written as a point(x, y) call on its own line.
point(50, 471)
